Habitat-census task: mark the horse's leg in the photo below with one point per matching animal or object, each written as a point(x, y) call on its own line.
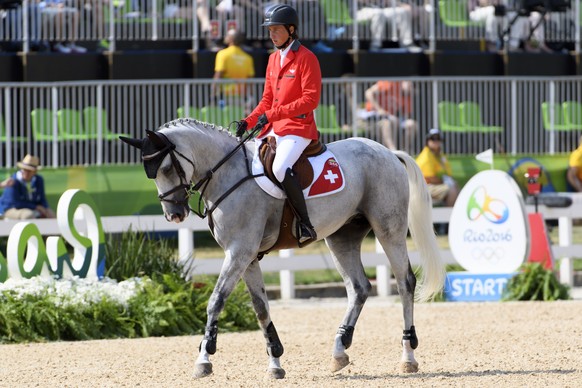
point(253, 278)
point(395, 247)
point(345, 246)
point(230, 274)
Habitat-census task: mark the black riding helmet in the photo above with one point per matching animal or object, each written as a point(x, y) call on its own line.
point(283, 15)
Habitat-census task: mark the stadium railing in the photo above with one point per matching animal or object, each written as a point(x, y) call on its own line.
point(333, 22)
point(130, 107)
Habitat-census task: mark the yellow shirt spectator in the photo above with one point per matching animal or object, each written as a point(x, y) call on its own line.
point(576, 161)
point(232, 63)
point(437, 171)
point(574, 175)
point(431, 166)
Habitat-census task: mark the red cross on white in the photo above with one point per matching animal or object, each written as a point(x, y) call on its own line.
point(329, 180)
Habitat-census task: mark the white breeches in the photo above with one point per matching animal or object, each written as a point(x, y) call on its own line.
point(289, 149)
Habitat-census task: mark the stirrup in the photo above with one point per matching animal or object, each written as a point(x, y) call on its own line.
point(308, 235)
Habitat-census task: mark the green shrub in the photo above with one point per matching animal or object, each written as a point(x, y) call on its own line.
point(168, 306)
point(134, 253)
point(151, 299)
point(534, 282)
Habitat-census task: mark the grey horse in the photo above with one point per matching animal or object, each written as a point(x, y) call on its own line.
point(384, 193)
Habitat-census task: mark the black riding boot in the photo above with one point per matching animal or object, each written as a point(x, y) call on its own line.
point(293, 190)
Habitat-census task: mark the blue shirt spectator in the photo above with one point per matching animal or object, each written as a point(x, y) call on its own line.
point(25, 197)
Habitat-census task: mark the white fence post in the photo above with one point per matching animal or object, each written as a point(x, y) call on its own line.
point(185, 244)
point(565, 239)
point(383, 280)
point(287, 277)
point(382, 275)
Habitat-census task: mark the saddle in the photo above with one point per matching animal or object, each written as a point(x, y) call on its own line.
point(304, 172)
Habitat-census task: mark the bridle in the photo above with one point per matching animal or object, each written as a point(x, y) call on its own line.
point(202, 184)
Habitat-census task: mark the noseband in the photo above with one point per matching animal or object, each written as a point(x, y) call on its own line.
point(202, 184)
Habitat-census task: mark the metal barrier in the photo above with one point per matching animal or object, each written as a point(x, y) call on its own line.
point(196, 21)
point(77, 123)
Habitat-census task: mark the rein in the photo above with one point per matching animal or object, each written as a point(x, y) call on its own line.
point(202, 184)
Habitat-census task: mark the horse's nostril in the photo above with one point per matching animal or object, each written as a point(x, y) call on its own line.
point(176, 217)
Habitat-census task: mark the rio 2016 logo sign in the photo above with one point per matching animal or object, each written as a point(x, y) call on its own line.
point(488, 232)
point(481, 204)
point(28, 256)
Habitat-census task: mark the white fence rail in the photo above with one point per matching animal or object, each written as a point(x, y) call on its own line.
point(565, 251)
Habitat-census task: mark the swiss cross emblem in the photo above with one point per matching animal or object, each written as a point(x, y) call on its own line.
point(330, 179)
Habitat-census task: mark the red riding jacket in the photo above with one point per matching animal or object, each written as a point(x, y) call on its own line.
point(291, 94)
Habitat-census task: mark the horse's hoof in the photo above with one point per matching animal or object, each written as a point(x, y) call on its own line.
point(275, 373)
point(409, 367)
point(339, 362)
point(202, 370)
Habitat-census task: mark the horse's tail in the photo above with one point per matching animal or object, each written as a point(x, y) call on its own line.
point(421, 229)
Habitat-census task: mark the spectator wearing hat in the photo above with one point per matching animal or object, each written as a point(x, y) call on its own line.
point(25, 198)
point(436, 170)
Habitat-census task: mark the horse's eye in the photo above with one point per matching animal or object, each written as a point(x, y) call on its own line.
point(166, 169)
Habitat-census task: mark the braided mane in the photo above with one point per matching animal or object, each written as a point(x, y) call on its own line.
point(195, 124)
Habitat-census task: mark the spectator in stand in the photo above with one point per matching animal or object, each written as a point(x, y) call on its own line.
point(233, 63)
point(25, 198)
point(495, 16)
point(390, 102)
point(574, 174)
point(64, 23)
point(378, 13)
point(436, 170)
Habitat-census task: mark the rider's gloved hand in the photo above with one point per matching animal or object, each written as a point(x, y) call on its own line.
point(241, 128)
point(263, 120)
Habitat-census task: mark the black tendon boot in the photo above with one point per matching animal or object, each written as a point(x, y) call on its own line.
point(293, 190)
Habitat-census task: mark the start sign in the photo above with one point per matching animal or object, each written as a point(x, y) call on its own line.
point(470, 287)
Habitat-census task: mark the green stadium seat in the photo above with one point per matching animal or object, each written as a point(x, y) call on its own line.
point(189, 112)
point(41, 121)
point(558, 123)
point(471, 118)
point(326, 119)
point(222, 116)
point(70, 123)
point(572, 114)
point(91, 116)
point(450, 117)
point(454, 13)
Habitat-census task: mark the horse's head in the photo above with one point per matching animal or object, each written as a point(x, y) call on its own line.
point(161, 163)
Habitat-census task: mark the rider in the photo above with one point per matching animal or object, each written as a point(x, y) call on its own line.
point(291, 94)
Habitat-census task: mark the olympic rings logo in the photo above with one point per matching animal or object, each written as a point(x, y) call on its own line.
point(482, 204)
point(492, 255)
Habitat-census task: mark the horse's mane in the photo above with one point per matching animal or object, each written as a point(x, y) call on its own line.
point(195, 124)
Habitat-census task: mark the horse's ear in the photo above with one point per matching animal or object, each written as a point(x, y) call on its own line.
point(137, 143)
point(158, 141)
